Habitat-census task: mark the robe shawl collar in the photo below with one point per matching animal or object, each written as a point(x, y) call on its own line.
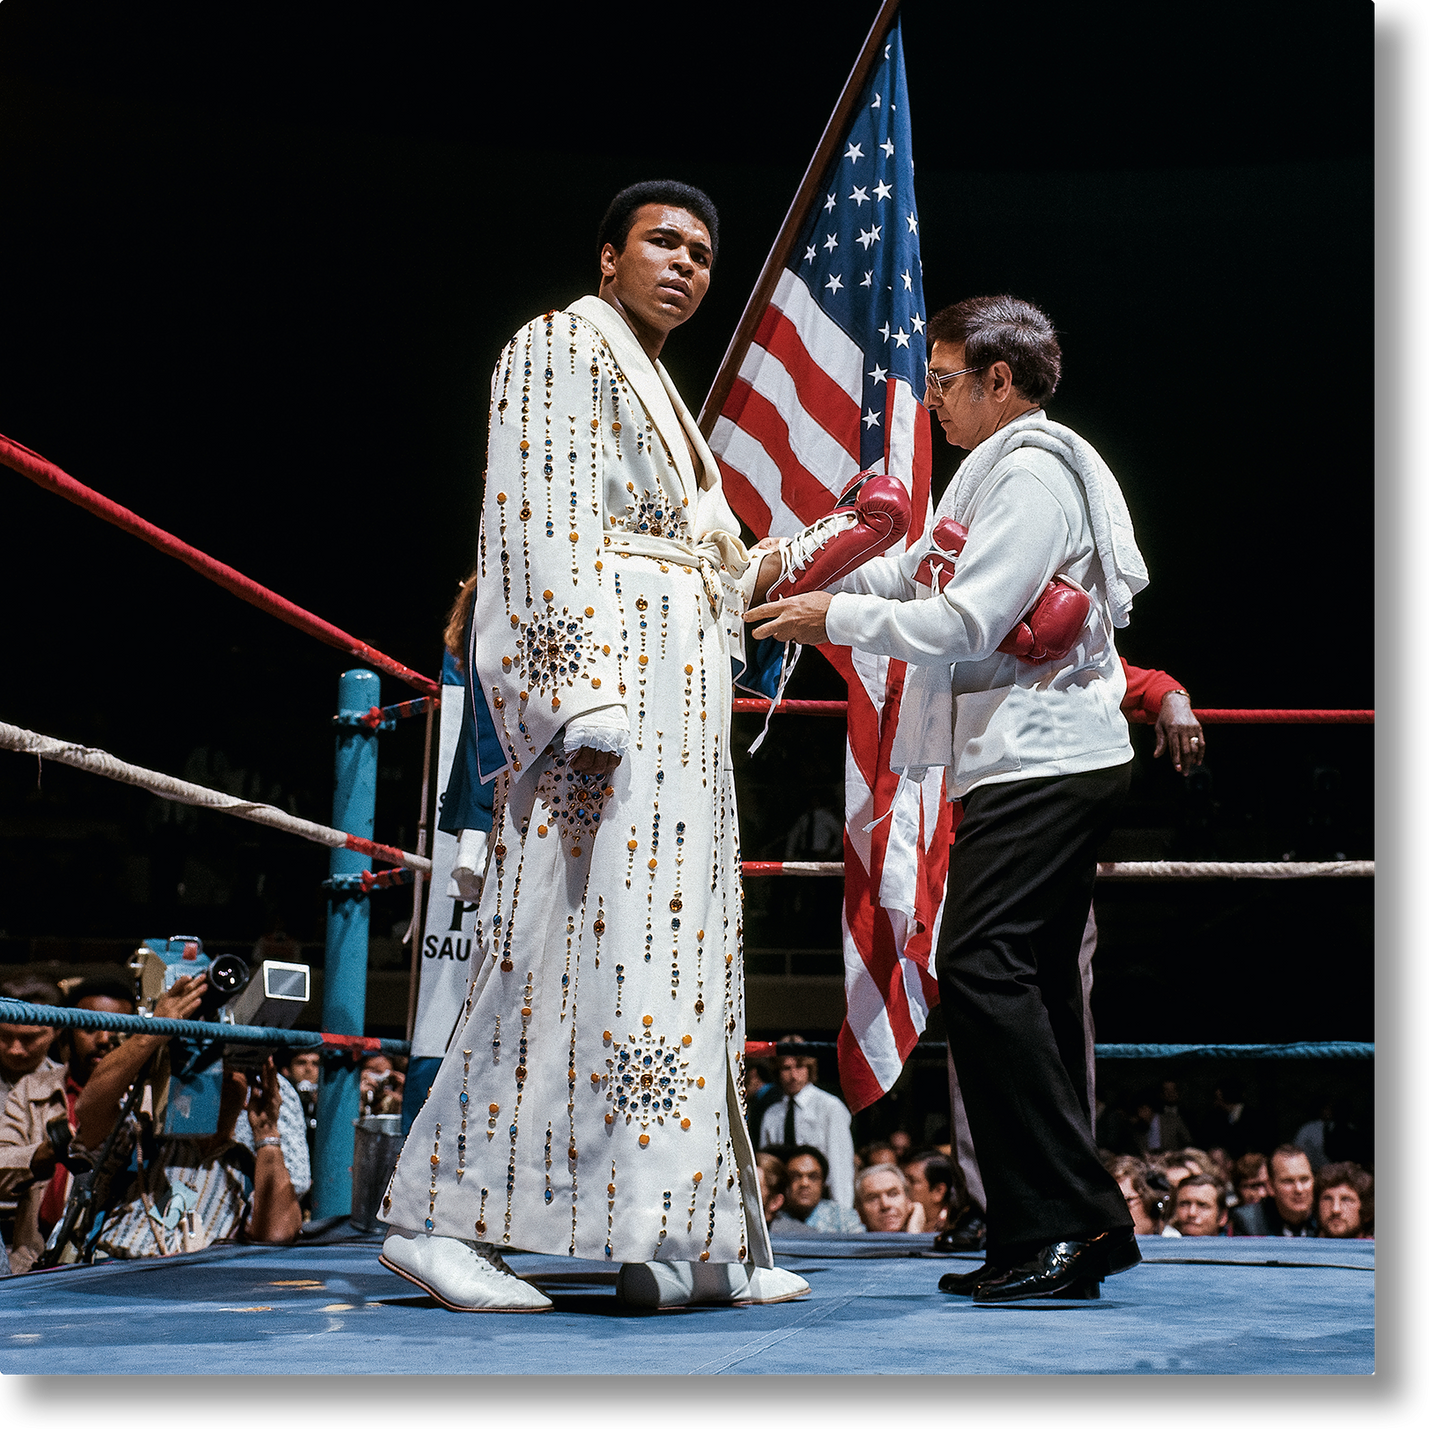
point(658, 395)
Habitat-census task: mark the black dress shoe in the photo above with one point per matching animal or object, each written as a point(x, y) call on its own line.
point(1062, 1266)
point(964, 1237)
point(967, 1283)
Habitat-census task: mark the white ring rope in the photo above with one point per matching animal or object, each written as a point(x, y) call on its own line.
point(1346, 868)
point(93, 760)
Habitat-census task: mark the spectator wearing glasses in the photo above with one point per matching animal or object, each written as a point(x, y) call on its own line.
point(1146, 1204)
point(804, 1201)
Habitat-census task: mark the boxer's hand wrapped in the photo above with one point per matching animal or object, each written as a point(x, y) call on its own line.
point(873, 513)
point(1052, 627)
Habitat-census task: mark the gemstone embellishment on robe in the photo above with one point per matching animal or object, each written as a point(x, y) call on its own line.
point(555, 650)
point(655, 516)
point(646, 1079)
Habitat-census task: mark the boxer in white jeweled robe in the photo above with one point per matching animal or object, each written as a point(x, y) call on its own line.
point(589, 1101)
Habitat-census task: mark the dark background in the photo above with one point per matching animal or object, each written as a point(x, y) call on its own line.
point(259, 261)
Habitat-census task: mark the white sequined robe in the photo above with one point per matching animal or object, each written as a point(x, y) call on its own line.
point(589, 1102)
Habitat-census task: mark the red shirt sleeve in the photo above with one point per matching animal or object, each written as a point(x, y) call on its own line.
point(1144, 690)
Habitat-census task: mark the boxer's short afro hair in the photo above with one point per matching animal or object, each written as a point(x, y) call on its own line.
point(617, 223)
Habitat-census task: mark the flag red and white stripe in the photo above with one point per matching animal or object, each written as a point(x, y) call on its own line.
point(787, 442)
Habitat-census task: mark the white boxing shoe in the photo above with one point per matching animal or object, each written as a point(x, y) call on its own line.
point(773, 1286)
point(670, 1286)
point(460, 1274)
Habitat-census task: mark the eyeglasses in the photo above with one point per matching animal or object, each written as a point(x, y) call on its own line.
point(934, 382)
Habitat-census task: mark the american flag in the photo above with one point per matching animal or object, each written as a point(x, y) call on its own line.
point(833, 383)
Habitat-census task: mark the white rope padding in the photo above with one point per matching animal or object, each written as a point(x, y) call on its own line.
point(1348, 868)
point(93, 760)
point(1343, 868)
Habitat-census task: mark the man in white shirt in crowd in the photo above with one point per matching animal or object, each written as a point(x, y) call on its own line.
point(807, 1114)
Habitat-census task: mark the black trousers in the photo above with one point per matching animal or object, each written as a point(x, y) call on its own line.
point(1020, 881)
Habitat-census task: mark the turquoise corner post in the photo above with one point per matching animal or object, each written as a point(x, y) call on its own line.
point(348, 929)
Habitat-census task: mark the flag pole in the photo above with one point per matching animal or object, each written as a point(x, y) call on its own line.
point(787, 237)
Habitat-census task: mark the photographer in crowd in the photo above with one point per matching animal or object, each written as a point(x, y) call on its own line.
point(179, 1193)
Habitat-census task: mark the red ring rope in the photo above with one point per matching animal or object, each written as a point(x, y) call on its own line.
point(48, 475)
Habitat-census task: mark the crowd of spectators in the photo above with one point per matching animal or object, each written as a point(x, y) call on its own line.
point(80, 1120)
point(66, 1099)
point(1172, 1186)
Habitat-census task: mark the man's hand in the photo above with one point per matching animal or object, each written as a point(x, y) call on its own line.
point(589, 760)
point(275, 1215)
point(1179, 730)
point(263, 1108)
point(112, 1074)
point(182, 1000)
point(794, 619)
point(43, 1161)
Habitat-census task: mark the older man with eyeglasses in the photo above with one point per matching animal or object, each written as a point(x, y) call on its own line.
point(1008, 611)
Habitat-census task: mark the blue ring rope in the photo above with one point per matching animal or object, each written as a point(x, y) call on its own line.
point(14, 1011)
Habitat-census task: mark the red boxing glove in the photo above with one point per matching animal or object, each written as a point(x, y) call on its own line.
point(940, 560)
point(1052, 628)
point(873, 513)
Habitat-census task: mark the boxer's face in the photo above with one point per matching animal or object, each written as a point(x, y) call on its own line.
point(661, 275)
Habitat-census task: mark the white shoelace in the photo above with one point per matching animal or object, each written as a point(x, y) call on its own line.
point(795, 553)
point(792, 656)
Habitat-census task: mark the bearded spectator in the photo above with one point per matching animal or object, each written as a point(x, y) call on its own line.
point(1289, 1210)
point(1200, 1210)
point(884, 1203)
point(1345, 1202)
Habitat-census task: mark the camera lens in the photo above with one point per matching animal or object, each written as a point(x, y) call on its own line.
point(227, 975)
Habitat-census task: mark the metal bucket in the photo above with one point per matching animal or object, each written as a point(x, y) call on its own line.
point(374, 1155)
